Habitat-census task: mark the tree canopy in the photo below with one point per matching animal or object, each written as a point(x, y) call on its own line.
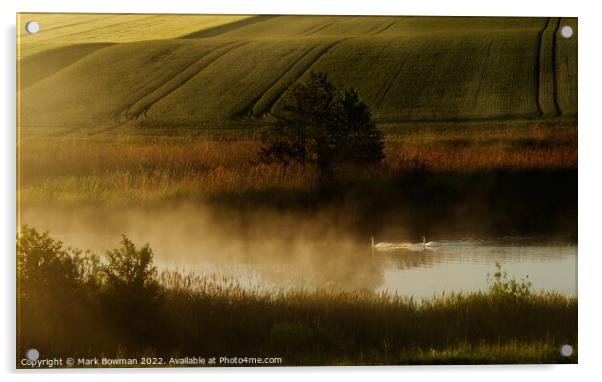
point(318, 124)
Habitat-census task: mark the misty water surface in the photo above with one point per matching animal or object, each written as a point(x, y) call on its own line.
point(281, 252)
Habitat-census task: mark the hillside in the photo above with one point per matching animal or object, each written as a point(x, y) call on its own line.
point(232, 73)
point(64, 29)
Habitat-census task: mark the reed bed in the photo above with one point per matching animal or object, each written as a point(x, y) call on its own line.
point(157, 168)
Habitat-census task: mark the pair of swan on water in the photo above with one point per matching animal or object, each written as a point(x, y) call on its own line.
point(414, 247)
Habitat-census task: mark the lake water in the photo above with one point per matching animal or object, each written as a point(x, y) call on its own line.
point(464, 265)
point(287, 253)
point(405, 269)
point(444, 267)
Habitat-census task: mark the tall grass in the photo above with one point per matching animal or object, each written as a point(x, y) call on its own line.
point(154, 168)
point(95, 307)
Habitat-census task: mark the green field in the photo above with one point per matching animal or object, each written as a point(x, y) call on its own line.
point(231, 73)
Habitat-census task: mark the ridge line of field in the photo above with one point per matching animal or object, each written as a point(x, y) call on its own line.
point(317, 28)
point(388, 26)
point(155, 79)
point(312, 28)
point(296, 78)
point(484, 66)
point(376, 29)
point(174, 83)
point(222, 29)
point(249, 109)
point(555, 68)
point(382, 97)
point(538, 67)
point(546, 103)
point(163, 83)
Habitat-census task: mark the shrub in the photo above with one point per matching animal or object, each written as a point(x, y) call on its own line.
point(130, 270)
point(503, 286)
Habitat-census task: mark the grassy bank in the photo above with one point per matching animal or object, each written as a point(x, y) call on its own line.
point(120, 306)
point(158, 166)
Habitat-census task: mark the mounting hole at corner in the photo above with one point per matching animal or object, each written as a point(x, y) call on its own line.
point(32, 354)
point(566, 350)
point(32, 27)
point(566, 31)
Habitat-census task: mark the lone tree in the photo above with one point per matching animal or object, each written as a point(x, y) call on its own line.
point(318, 124)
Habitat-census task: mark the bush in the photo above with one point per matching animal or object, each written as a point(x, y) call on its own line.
point(129, 270)
point(43, 263)
point(130, 293)
point(57, 292)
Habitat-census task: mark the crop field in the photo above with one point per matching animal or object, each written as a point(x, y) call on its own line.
point(62, 30)
point(231, 71)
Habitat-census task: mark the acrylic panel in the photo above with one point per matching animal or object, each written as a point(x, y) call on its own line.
point(281, 190)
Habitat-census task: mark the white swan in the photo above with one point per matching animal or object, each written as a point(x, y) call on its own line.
point(414, 247)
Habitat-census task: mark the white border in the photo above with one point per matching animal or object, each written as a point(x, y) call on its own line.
point(348, 7)
point(589, 178)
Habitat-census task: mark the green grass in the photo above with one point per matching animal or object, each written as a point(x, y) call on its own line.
point(416, 69)
point(118, 306)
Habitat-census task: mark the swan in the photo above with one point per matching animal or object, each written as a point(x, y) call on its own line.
point(414, 247)
point(427, 244)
